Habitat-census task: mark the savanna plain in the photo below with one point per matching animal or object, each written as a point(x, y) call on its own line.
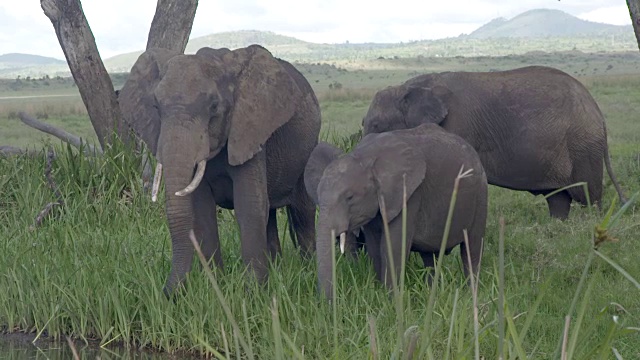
point(94, 269)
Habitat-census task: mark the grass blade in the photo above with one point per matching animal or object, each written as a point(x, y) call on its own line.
point(619, 268)
point(474, 294)
point(514, 334)
point(501, 334)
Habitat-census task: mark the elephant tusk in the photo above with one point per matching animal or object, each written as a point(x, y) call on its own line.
point(343, 240)
point(156, 182)
point(202, 164)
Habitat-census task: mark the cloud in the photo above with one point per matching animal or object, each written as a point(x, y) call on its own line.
point(617, 15)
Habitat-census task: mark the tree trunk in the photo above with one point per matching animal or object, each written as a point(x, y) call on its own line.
point(89, 73)
point(634, 12)
point(172, 24)
point(170, 29)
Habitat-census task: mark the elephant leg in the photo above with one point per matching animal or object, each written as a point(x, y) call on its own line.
point(395, 243)
point(273, 241)
point(352, 244)
point(474, 251)
point(590, 171)
point(429, 261)
point(302, 220)
point(372, 233)
point(559, 205)
point(205, 223)
point(251, 206)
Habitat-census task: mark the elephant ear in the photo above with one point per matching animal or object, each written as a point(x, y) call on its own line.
point(321, 156)
point(136, 97)
point(398, 163)
point(424, 105)
point(265, 99)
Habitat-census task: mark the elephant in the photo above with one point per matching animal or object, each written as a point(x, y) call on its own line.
point(535, 128)
point(323, 154)
point(232, 129)
point(357, 189)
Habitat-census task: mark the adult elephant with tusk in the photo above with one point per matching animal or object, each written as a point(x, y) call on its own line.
point(232, 129)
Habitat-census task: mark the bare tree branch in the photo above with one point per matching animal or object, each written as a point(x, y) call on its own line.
point(81, 52)
point(172, 24)
point(59, 133)
point(634, 12)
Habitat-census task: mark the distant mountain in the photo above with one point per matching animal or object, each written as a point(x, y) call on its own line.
point(243, 38)
point(14, 64)
point(544, 23)
point(16, 59)
point(277, 44)
point(545, 30)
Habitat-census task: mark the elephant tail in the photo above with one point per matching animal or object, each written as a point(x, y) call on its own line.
point(607, 164)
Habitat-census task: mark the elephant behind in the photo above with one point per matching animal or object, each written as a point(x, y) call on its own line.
point(232, 129)
point(351, 188)
point(535, 128)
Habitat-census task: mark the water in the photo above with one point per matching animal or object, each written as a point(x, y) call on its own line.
point(19, 347)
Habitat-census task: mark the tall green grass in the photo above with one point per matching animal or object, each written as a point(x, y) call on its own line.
point(94, 270)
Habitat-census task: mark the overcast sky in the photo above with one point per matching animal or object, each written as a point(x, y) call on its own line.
point(122, 25)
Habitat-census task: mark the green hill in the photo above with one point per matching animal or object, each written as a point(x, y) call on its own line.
point(277, 44)
point(14, 64)
point(544, 23)
point(122, 62)
point(243, 38)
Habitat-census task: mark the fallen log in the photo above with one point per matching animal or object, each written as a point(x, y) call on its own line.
point(59, 133)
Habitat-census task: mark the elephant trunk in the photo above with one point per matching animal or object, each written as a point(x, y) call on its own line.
point(179, 151)
point(328, 229)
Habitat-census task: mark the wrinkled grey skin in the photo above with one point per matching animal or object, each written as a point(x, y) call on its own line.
point(427, 159)
point(254, 119)
point(535, 128)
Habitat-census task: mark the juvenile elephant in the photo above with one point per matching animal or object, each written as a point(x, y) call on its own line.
point(427, 160)
point(323, 154)
point(246, 122)
point(535, 128)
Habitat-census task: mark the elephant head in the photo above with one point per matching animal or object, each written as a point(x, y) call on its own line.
point(187, 108)
point(323, 154)
point(406, 106)
point(351, 187)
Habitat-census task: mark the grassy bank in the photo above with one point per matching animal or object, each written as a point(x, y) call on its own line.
point(95, 271)
point(95, 268)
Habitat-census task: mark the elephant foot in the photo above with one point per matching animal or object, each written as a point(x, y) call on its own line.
point(559, 205)
point(170, 291)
